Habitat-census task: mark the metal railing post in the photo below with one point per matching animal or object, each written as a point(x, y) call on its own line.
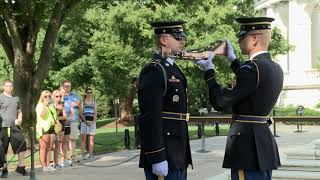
point(127, 139)
point(203, 139)
point(217, 129)
point(32, 171)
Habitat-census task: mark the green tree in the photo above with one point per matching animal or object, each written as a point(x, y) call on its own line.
point(20, 23)
point(104, 44)
point(120, 41)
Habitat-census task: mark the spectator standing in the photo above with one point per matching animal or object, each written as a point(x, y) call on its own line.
point(11, 131)
point(71, 103)
point(46, 115)
point(88, 117)
point(56, 139)
point(67, 130)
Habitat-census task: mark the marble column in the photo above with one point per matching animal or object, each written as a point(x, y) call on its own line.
point(299, 36)
point(316, 36)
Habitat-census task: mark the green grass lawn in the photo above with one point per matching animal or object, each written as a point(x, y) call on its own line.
point(108, 140)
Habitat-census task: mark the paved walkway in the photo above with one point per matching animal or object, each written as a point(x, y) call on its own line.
point(206, 165)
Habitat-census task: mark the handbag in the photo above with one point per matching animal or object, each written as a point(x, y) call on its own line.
point(57, 124)
point(57, 127)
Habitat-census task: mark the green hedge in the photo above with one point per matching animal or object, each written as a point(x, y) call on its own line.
point(291, 111)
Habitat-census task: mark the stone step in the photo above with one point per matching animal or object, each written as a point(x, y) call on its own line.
point(303, 154)
point(308, 165)
point(294, 175)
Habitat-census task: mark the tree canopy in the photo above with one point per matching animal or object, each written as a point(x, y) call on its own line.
point(105, 44)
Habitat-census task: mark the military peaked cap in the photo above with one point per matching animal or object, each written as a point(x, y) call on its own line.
point(248, 24)
point(169, 27)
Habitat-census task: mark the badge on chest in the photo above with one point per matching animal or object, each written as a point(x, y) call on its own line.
point(175, 98)
point(174, 79)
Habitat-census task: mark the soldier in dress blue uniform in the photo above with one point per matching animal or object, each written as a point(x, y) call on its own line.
point(251, 151)
point(165, 148)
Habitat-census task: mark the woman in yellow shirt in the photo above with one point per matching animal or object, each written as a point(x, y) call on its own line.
point(46, 115)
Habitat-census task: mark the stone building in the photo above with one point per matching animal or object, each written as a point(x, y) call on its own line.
point(299, 22)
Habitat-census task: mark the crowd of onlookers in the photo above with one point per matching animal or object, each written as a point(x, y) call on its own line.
point(60, 115)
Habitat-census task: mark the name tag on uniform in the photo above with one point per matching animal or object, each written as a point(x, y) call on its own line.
point(174, 79)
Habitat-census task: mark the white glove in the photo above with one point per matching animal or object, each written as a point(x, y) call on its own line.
point(160, 169)
point(206, 64)
point(230, 52)
point(18, 122)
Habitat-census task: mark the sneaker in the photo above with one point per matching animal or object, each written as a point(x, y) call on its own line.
point(66, 163)
point(4, 173)
point(84, 157)
point(73, 159)
point(57, 166)
point(92, 157)
point(45, 169)
point(22, 170)
point(50, 168)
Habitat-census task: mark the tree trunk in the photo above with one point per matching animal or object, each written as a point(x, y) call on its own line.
point(25, 90)
point(126, 104)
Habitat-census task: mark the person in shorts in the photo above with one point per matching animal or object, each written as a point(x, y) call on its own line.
point(88, 115)
point(10, 112)
point(46, 116)
point(71, 105)
point(65, 120)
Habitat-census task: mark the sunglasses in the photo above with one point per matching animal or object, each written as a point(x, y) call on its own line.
point(58, 96)
point(177, 38)
point(89, 92)
point(46, 96)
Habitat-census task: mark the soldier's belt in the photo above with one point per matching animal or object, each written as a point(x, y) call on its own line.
point(250, 119)
point(175, 116)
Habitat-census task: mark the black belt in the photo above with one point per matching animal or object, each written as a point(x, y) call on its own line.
point(175, 116)
point(250, 119)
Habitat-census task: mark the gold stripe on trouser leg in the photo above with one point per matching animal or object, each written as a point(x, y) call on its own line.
point(9, 132)
point(241, 174)
point(160, 178)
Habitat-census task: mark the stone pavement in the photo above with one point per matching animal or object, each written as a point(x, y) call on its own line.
point(206, 165)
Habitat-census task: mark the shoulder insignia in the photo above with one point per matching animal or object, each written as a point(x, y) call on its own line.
point(247, 66)
point(155, 61)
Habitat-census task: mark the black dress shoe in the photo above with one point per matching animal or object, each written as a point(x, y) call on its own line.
point(22, 170)
point(4, 173)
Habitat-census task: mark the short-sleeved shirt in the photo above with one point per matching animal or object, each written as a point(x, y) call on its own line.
point(72, 97)
point(9, 109)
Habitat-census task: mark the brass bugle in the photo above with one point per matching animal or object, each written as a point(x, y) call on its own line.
point(218, 48)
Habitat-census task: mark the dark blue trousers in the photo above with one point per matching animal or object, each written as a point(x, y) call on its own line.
point(237, 174)
point(172, 175)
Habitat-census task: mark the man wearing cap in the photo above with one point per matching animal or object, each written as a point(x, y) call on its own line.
point(251, 150)
point(165, 148)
